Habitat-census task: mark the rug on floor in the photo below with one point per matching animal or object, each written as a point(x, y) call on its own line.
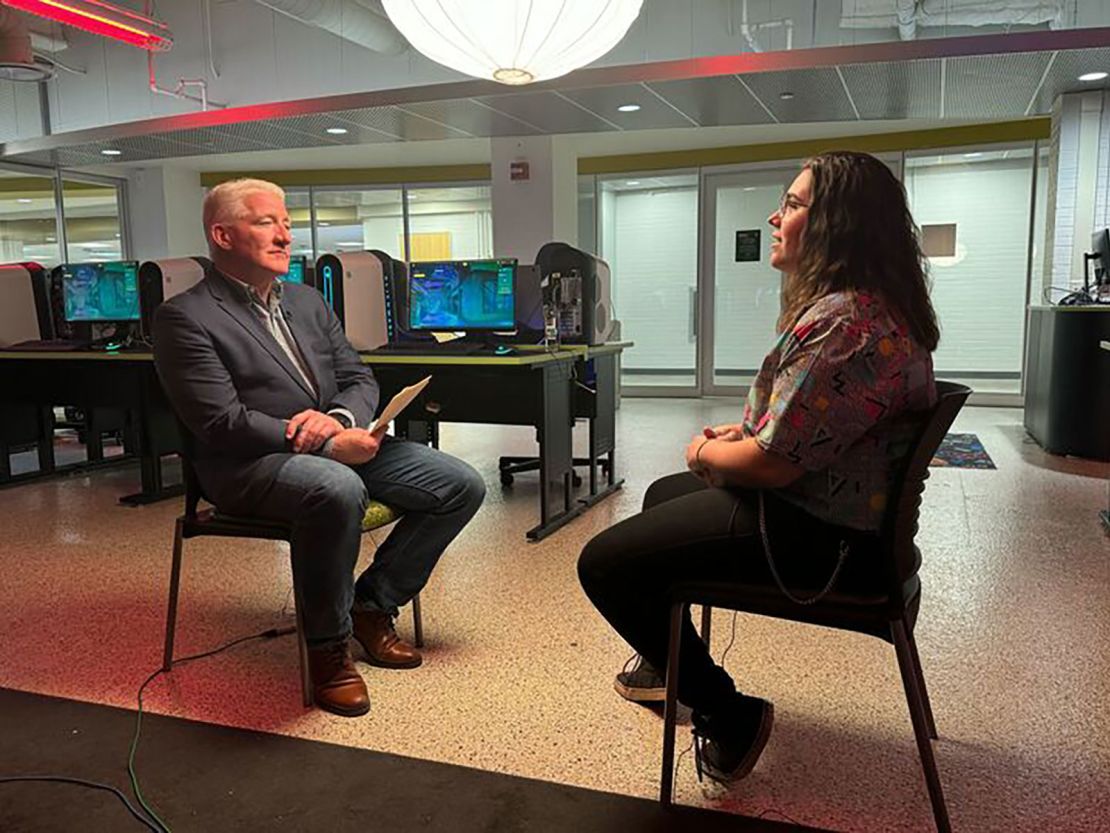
point(962, 451)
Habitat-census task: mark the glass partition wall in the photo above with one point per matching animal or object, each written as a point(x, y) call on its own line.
point(693, 288)
point(445, 222)
point(52, 217)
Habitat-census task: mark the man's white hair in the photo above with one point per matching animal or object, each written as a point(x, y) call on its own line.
point(225, 202)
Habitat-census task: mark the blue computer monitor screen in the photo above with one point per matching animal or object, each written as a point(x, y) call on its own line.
point(462, 295)
point(101, 291)
point(296, 271)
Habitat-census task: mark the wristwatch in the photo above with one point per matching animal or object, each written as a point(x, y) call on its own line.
point(341, 418)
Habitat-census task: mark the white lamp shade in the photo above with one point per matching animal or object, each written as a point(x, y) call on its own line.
point(513, 41)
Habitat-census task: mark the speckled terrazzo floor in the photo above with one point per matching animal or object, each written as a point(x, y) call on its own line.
point(1014, 636)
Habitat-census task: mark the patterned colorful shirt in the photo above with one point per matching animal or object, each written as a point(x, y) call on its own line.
point(826, 399)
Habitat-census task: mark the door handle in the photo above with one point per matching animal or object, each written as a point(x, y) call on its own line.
point(693, 329)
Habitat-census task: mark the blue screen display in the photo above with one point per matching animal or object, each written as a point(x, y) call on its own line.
point(296, 271)
point(462, 295)
point(101, 291)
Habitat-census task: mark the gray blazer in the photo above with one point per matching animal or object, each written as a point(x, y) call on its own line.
point(233, 386)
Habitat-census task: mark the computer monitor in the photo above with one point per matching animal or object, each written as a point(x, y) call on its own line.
point(462, 295)
point(101, 292)
point(296, 270)
point(1100, 248)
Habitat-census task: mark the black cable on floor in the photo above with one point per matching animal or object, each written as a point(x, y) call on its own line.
point(63, 779)
point(271, 633)
point(153, 823)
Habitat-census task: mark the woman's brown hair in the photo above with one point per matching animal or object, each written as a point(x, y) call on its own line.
point(859, 234)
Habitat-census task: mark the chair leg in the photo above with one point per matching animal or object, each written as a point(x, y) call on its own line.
point(706, 623)
point(175, 583)
point(914, 700)
point(302, 649)
point(930, 724)
point(670, 705)
point(417, 622)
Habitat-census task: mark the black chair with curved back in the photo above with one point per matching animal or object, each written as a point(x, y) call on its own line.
point(887, 609)
point(212, 522)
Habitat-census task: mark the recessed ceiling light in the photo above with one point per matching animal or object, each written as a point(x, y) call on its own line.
point(337, 131)
point(1093, 76)
point(349, 243)
point(111, 152)
point(51, 239)
point(749, 188)
point(786, 96)
point(629, 108)
point(633, 182)
point(23, 200)
point(323, 224)
point(973, 155)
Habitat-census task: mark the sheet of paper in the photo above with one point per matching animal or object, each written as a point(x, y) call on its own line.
point(398, 403)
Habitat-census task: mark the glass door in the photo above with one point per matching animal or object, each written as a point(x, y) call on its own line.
point(739, 301)
point(648, 234)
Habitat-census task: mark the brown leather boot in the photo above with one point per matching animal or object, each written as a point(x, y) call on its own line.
point(337, 686)
point(375, 632)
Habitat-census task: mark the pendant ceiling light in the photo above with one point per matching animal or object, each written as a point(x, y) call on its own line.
point(513, 41)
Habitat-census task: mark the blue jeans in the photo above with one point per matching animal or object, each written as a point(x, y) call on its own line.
point(326, 500)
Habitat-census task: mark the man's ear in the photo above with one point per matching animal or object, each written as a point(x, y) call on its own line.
point(221, 236)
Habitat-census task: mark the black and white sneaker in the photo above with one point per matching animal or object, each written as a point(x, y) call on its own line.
point(727, 745)
point(641, 683)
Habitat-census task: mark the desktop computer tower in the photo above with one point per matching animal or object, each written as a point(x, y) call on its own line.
point(25, 314)
point(160, 280)
point(578, 290)
point(358, 286)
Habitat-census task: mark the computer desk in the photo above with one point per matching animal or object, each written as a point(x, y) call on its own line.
point(532, 387)
point(528, 388)
point(88, 380)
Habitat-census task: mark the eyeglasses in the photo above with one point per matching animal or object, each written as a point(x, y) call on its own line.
point(790, 203)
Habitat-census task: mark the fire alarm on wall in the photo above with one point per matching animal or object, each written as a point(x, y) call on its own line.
point(518, 171)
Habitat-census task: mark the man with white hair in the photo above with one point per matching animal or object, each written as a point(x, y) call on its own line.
point(276, 402)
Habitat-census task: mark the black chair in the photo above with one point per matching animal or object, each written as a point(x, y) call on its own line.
point(887, 610)
point(194, 523)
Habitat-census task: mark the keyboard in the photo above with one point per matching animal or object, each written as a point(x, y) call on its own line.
point(430, 348)
point(49, 345)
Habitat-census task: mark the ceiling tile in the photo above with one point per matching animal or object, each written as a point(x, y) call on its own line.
point(548, 111)
point(713, 101)
point(473, 118)
point(818, 95)
point(895, 90)
point(604, 101)
point(991, 86)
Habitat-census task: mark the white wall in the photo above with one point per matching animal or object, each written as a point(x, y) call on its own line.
point(979, 294)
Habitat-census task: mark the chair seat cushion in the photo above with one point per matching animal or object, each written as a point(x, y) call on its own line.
point(378, 514)
point(213, 522)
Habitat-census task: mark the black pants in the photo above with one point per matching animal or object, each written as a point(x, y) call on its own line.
point(689, 532)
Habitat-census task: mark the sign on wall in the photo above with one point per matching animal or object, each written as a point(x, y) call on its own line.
point(748, 245)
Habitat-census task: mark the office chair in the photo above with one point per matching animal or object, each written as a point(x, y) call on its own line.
point(194, 524)
point(887, 610)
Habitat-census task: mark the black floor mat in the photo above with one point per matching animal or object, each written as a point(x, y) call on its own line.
point(201, 777)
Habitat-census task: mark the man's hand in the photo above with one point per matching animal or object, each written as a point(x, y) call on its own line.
point(354, 446)
point(728, 433)
point(311, 429)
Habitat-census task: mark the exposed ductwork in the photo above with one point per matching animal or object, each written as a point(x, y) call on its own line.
point(907, 15)
point(351, 20)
